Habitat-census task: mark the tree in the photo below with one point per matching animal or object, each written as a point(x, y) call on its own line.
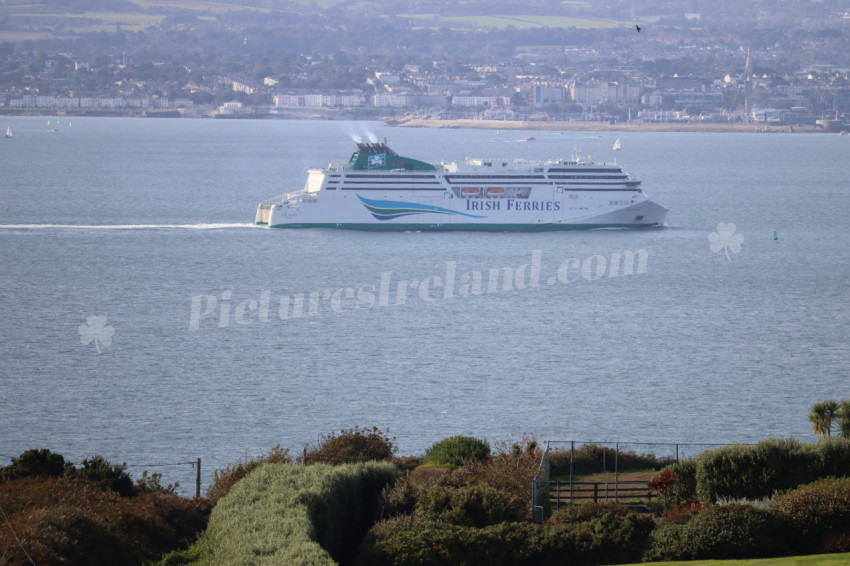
point(844, 416)
point(823, 415)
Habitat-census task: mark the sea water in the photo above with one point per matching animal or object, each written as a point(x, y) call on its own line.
point(141, 312)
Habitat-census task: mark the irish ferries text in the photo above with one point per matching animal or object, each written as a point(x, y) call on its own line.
point(513, 204)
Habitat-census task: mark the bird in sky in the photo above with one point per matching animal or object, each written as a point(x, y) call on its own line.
point(637, 27)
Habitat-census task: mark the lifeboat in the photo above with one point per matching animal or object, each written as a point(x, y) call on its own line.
point(470, 192)
point(495, 192)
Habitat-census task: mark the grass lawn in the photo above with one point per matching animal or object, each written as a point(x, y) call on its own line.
point(609, 477)
point(812, 560)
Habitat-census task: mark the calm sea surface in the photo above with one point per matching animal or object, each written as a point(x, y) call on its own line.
point(141, 221)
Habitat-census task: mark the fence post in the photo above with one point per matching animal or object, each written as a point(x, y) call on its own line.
point(617, 474)
point(596, 492)
point(572, 458)
point(558, 495)
point(198, 479)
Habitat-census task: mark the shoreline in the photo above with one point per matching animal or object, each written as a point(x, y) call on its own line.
point(833, 127)
point(599, 126)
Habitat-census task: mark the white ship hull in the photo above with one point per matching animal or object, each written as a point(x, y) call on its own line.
point(528, 196)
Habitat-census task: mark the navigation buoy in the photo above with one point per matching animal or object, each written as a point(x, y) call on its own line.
point(775, 237)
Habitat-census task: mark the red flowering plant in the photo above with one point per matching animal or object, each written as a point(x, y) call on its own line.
point(662, 485)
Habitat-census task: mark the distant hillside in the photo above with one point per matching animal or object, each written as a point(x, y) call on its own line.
point(31, 15)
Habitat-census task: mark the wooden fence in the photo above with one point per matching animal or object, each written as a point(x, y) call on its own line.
point(567, 493)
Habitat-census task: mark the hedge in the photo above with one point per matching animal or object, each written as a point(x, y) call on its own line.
point(719, 532)
point(289, 514)
point(755, 472)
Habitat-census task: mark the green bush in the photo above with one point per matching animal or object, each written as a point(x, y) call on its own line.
point(719, 532)
point(575, 514)
point(399, 498)
point(512, 470)
point(457, 451)
point(114, 476)
point(496, 545)
point(471, 506)
point(752, 472)
point(287, 514)
point(816, 514)
point(595, 535)
point(34, 463)
point(830, 457)
point(686, 488)
point(351, 446)
point(152, 483)
point(225, 478)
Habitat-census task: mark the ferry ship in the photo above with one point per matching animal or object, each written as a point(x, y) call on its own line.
point(379, 189)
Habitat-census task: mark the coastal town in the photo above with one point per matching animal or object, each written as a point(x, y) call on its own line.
point(654, 73)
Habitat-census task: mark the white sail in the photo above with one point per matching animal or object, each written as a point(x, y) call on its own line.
point(617, 145)
point(9, 132)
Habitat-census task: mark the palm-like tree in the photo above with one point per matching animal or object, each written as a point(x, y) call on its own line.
point(823, 415)
point(844, 418)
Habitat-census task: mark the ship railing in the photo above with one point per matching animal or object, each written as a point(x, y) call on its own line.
point(282, 198)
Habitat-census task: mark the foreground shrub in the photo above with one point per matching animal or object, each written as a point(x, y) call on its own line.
point(719, 532)
point(114, 476)
point(830, 457)
point(685, 490)
point(472, 506)
point(34, 463)
point(398, 498)
point(575, 514)
point(351, 446)
point(496, 545)
point(43, 464)
point(457, 451)
point(287, 514)
point(752, 472)
point(75, 521)
point(818, 515)
point(225, 478)
point(682, 513)
point(512, 471)
point(586, 534)
point(594, 533)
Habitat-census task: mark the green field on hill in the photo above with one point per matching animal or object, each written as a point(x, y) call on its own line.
point(198, 6)
point(39, 16)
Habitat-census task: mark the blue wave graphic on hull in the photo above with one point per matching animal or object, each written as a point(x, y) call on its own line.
point(390, 209)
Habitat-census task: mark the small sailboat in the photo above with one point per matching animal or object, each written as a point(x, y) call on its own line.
point(617, 145)
point(9, 132)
